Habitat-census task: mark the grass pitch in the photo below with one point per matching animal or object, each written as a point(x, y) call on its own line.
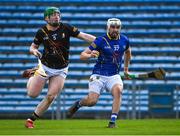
point(92, 127)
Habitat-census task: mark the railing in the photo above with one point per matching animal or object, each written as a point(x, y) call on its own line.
point(137, 105)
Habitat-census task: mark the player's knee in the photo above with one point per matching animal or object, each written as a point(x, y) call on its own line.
point(117, 92)
point(50, 98)
point(92, 102)
point(32, 94)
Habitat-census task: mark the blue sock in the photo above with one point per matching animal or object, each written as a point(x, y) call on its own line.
point(113, 117)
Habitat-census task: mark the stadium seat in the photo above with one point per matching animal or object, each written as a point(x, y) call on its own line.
point(152, 27)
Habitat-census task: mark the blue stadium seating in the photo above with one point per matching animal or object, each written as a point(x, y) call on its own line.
point(94, 9)
point(153, 30)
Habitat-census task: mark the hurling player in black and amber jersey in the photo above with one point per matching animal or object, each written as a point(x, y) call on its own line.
point(53, 62)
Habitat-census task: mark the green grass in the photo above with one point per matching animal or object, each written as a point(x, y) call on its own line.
point(92, 127)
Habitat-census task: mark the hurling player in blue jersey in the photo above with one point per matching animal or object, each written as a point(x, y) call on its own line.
point(109, 49)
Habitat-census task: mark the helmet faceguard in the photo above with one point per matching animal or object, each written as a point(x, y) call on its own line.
point(114, 22)
point(50, 11)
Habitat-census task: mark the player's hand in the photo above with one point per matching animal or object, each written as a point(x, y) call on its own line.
point(94, 54)
point(127, 76)
point(126, 73)
point(37, 53)
point(29, 72)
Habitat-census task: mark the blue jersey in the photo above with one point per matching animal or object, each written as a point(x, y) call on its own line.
point(111, 53)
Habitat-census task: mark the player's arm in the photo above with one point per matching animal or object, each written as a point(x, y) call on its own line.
point(87, 37)
point(87, 53)
point(35, 44)
point(34, 50)
point(127, 58)
point(73, 31)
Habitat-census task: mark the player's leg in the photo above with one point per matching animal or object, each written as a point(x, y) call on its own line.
point(115, 85)
point(117, 96)
point(34, 87)
point(95, 86)
point(56, 84)
point(90, 100)
point(37, 81)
